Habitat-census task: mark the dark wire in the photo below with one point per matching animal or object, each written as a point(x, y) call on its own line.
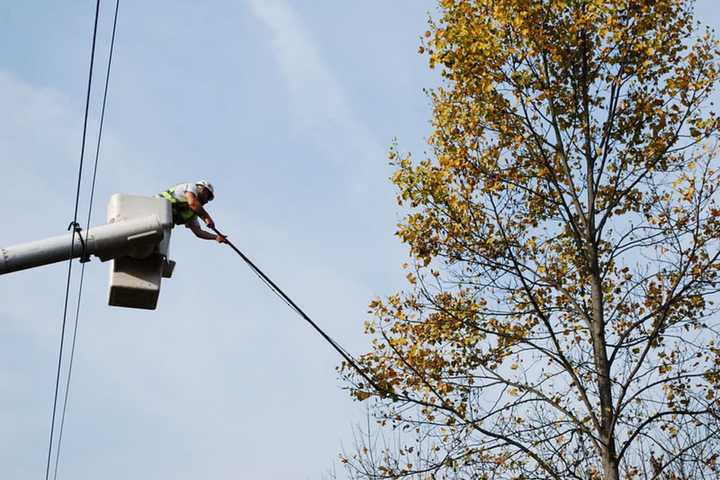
point(87, 227)
point(275, 289)
point(72, 241)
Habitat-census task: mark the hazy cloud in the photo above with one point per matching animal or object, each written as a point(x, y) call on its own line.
point(320, 107)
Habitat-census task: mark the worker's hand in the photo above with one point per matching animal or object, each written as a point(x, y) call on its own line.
point(221, 238)
point(209, 222)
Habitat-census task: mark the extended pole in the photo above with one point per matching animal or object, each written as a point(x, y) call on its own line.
point(128, 237)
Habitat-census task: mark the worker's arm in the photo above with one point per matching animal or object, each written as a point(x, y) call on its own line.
point(200, 233)
point(196, 206)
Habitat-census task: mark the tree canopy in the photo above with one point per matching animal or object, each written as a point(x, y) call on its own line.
point(565, 241)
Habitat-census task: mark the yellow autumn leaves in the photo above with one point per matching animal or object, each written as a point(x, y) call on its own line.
point(564, 223)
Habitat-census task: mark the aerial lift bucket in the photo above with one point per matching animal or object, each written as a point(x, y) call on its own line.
point(135, 278)
point(136, 239)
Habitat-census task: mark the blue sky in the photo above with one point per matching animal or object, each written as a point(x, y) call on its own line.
point(289, 108)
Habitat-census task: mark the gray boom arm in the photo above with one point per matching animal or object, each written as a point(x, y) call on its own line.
point(126, 238)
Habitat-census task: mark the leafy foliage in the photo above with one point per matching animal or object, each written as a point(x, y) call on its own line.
point(565, 237)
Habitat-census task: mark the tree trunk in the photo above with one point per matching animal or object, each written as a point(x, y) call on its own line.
point(602, 366)
point(609, 459)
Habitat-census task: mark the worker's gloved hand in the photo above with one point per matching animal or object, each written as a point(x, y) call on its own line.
point(221, 238)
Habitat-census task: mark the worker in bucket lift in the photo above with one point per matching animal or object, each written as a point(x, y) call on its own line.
point(188, 200)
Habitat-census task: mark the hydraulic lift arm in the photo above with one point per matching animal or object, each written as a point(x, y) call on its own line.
point(136, 239)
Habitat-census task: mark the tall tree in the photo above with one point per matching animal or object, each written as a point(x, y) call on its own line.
point(565, 238)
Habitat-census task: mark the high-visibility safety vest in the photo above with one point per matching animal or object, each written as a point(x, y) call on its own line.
point(182, 213)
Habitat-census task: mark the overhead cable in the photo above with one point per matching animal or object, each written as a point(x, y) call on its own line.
point(75, 230)
point(87, 227)
point(275, 289)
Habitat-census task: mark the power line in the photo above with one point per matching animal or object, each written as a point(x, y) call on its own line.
point(75, 229)
point(87, 227)
point(275, 289)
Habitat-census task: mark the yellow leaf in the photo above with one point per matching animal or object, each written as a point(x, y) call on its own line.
point(362, 395)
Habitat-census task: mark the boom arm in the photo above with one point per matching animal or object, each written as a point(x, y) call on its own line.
point(126, 238)
point(136, 239)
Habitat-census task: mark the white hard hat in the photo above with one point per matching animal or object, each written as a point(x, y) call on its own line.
point(208, 185)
